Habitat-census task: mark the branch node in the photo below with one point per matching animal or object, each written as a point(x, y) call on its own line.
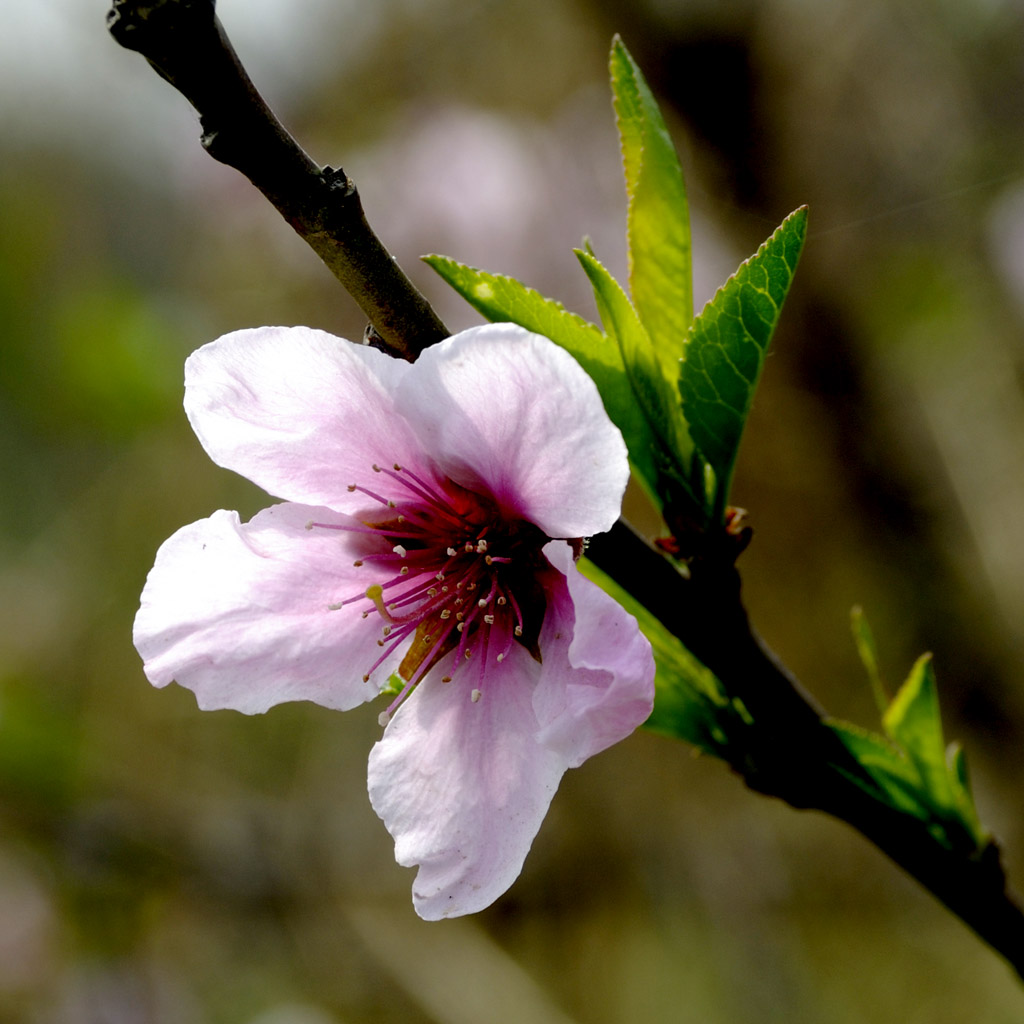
point(338, 181)
point(187, 46)
point(136, 25)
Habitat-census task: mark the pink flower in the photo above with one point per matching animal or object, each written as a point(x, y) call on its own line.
point(428, 531)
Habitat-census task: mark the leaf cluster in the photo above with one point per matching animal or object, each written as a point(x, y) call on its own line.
point(678, 387)
point(909, 765)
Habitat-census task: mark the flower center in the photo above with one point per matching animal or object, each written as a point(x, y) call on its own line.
point(448, 572)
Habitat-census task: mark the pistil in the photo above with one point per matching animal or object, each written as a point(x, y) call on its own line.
point(439, 547)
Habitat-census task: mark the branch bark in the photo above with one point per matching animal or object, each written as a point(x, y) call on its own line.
point(792, 753)
point(185, 43)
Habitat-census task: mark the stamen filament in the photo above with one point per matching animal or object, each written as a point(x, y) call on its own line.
point(424, 490)
point(386, 502)
point(436, 574)
point(396, 640)
point(518, 631)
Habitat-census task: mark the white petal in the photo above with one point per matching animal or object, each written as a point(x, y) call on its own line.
point(606, 688)
point(239, 613)
point(463, 786)
point(301, 413)
point(499, 406)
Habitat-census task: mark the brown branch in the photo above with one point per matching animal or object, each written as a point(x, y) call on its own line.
point(185, 43)
point(790, 752)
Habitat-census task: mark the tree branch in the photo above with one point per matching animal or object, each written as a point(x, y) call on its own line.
point(185, 43)
point(792, 754)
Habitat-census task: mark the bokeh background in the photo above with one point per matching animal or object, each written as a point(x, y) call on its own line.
point(159, 864)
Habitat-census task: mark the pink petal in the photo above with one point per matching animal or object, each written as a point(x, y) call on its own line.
point(463, 787)
point(605, 686)
point(239, 614)
point(500, 406)
point(299, 412)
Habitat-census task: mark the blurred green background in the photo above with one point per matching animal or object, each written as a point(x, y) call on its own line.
point(158, 864)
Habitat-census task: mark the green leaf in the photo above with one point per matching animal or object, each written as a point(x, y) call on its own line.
point(502, 298)
point(865, 641)
point(666, 455)
point(689, 701)
point(727, 345)
point(962, 794)
point(394, 686)
point(896, 781)
point(658, 221)
point(913, 722)
point(910, 766)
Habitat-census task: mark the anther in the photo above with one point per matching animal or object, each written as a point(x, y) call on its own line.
point(309, 524)
point(461, 626)
point(501, 657)
point(446, 613)
point(400, 551)
point(376, 468)
point(518, 631)
point(488, 560)
point(351, 487)
point(446, 679)
point(481, 546)
point(451, 552)
point(482, 602)
point(475, 696)
point(335, 607)
point(397, 466)
point(489, 619)
point(358, 562)
point(502, 600)
point(383, 718)
point(404, 571)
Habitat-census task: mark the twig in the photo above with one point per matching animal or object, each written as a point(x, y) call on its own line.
point(792, 753)
point(185, 43)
